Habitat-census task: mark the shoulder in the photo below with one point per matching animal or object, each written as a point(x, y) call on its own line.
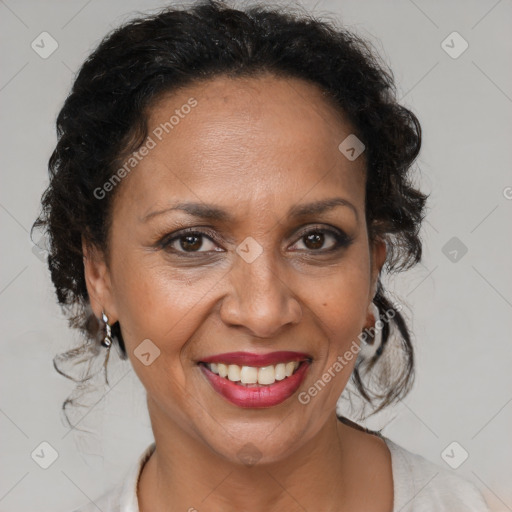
point(422, 486)
point(122, 497)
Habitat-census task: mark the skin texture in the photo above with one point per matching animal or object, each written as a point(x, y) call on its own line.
point(254, 147)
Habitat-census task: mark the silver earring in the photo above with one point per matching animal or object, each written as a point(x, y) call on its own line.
point(107, 340)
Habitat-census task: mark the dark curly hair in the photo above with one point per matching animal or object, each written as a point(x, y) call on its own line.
point(104, 119)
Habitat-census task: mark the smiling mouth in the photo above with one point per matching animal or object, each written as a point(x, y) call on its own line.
point(255, 376)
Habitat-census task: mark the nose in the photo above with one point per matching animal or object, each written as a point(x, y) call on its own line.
point(259, 299)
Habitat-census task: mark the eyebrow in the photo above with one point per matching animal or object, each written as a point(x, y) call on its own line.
point(211, 212)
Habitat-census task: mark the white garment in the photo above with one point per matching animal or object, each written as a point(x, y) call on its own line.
point(419, 486)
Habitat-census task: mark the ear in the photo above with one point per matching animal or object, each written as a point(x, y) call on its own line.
point(98, 282)
point(378, 258)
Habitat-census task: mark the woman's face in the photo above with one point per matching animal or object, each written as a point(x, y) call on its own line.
point(277, 259)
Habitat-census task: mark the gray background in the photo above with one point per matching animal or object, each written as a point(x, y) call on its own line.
point(460, 310)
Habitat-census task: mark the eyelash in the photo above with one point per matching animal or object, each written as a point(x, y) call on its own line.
point(341, 240)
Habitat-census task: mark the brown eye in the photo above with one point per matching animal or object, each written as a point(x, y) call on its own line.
point(314, 240)
point(322, 240)
point(191, 242)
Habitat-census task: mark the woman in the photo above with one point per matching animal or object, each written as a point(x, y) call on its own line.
point(226, 189)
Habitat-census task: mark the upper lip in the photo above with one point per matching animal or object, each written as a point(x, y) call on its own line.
point(251, 359)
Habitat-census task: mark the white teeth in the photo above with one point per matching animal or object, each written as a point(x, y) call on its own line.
point(222, 370)
point(264, 375)
point(280, 371)
point(290, 368)
point(248, 375)
point(234, 372)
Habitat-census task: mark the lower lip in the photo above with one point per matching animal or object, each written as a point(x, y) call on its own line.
point(257, 396)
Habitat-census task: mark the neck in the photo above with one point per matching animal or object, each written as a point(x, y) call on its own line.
point(323, 474)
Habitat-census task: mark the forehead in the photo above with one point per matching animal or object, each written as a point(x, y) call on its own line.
point(256, 136)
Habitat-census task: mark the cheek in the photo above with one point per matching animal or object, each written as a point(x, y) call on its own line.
point(154, 305)
point(342, 297)
point(160, 303)
point(342, 308)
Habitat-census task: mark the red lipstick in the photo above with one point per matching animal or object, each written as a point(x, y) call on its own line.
point(250, 359)
point(256, 395)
